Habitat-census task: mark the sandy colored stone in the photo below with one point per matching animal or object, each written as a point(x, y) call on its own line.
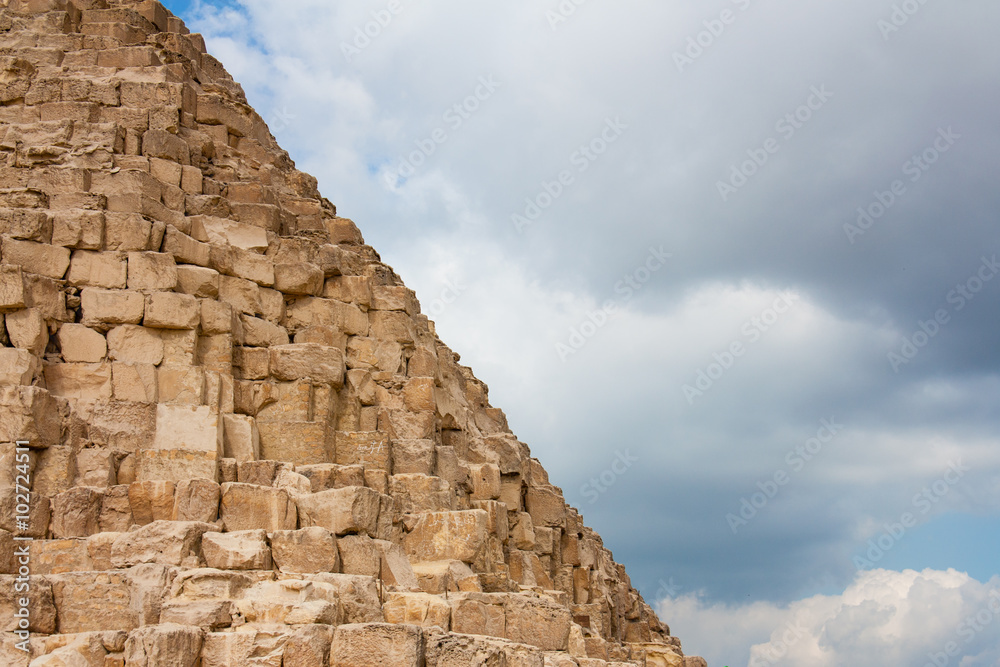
point(28, 330)
point(352, 509)
point(79, 343)
point(135, 344)
point(43, 259)
point(12, 289)
point(75, 512)
point(241, 439)
point(312, 549)
point(448, 536)
point(308, 360)
point(165, 644)
point(372, 644)
point(164, 542)
point(151, 271)
point(188, 427)
point(249, 507)
point(239, 550)
point(110, 307)
point(18, 367)
point(170, 310)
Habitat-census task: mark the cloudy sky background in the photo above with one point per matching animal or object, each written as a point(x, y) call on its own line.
point(929, 425)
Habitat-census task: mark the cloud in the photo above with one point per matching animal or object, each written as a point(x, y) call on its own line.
point(934, 618)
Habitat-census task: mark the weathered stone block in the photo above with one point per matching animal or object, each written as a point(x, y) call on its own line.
point(448, 536)
point(28, 330)
point(12, 289)
point(165, 542)
point(367, 448)
point(31, 414)
point(198, 281)
point(241, 439)
point(18, 367)
point(239, 550)
point(376, 644)
point(45, 260)
point(300, 278)
point(102, 308)
point(135, 382)
point(165, 644)
point(170, 310)
point(301, 443)
point(107, 270)
point(75, 513)
point(420, 609)
point(485, 481)
point(248, 507)
point(300, 361)
point(79, 343)
point(546, 506)
point(352, 509)
point(188, 427)
point(151, 271)
point(312, 549)
point(196, 500)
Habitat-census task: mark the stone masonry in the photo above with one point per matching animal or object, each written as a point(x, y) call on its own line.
point(247, 445)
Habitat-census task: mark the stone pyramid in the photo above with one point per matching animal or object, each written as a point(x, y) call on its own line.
point(244, 443)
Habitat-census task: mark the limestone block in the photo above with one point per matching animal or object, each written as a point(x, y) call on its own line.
point(498, 518)
point(116, 510)
point(344, 231)
point(165, 542)
point(261, 333)
point(135, 382)
point(47, 296)
point(419, 609)
point(248, 507)
point(546, 506)
point(299, 361)
point(261, 473)
point(109, 307)
point(301, 443)
point(45, 260)
point(211, 614)
point(392, 325)
point(358, 596)
point(485, 481)
point(309, 646)
point(164, 644)
point(181, 385)
point(234, 261)
point(59, 556)
point(422, 493)
point(406, 425)
point(78, 229)
point(12, 289)
point(310, 311)
point(292, 482)
point(89, 603)
point(88, 382)
point(661, 655)
point(448, 536)
point(135, 344)
point(300, 278)
point(179, 346)
point(373, 354)
point(244, 295)
point(151, 271)
point(186, 251)
point(164, 145)
point(474, 614)
point(191, 180)
point(196, 500)
point(79, 343)
point(170, 310)
point(416, 456)
point(358, 555)
point(176, 464)
point(376, 644)
point(18, 367)
point(107, 270)
point(312, 549)
point(198, 281)
point(222, 231)
point(272, 305)
point(396, 569)
point(367, 448)
point(349, 289)
point(254, 363)
point(352, 509)
point(188, 427)
point(239, 550)
point(75, 512)
point(241, 439)
point(151, 501)
point(219, 318)
point(537, 622)
point(418, 394)
point(523, 532)
point(41, 608)
point(27, 330)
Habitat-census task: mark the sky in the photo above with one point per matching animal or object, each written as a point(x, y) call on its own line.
point(729, 268)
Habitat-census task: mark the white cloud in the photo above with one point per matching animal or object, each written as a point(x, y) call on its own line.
point(883, 618)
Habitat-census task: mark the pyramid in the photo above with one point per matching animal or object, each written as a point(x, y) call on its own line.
point(244, 443)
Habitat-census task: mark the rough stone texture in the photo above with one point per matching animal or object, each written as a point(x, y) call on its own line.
point(246, 444)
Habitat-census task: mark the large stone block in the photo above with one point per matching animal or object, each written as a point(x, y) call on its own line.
point(89, 602)
point(88, 382)
point(76, 512)
point(300, 278)
point(377, 644)
point(422, 493)
point(28, 330)
point(176, 464)
point(18, 367)
point(165, 542)
point(151, 271)
point(222, 231)
point(312, 549)
point(537, 622)
point(29, 414)
point(103, 308)
point(546, 506)
point(299, 361)
point(248, 507)
point(41, 608)
point(165, 644)
point(45, 260)
point(448, 536)
point(188, 427)
point(352, 509)
point(12, 289)
point(310, 311)
point(367, 448)
point(238, 550)
point(82, 344)
point(196, 500)
point(301, 443)
point(108, 270)
point(170, 310)
point(421, 609)
point(135, 344)
point(241, 439)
